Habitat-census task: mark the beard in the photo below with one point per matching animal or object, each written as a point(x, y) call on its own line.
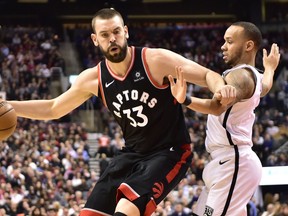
point(235, 59)
point(117, 57)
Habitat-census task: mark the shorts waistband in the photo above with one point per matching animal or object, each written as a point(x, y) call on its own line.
point(226, 150)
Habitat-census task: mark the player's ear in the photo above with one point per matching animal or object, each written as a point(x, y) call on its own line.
point(94, 39)
point(126, 32)
point(249, 45)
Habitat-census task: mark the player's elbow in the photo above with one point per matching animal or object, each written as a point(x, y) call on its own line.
point(265, 90)
point(53, 111)
point(55, 115)
point(217, 111)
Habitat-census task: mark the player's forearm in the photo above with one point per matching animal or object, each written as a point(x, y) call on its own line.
point(214, 81)
point(206, 106)
point(270, 63)
point(267, 81)
point(34, 109)
point(202, 76)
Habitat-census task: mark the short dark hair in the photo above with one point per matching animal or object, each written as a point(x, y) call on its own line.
point(252, 32)
point(105, 13)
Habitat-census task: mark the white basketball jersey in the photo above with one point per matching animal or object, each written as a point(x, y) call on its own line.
point(235, 125)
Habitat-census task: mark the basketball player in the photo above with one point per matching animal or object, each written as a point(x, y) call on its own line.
point(234, 172)
point(133, 83)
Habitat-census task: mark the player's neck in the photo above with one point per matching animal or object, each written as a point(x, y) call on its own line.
point(246, 61)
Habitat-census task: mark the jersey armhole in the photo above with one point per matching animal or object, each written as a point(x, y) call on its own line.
point(101, 94)
point(147, 70)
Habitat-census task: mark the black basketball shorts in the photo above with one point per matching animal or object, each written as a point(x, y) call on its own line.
point(133, 175)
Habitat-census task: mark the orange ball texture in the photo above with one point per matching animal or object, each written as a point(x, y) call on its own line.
point(8, 120)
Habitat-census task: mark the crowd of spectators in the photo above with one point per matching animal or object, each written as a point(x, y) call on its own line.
point(45, 164)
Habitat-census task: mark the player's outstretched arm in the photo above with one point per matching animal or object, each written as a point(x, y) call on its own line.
point(192, 72)
point(79, 92)
point(270, 63)
point(205, 106)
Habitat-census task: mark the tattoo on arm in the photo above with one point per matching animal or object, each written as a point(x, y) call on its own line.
point(244, 82)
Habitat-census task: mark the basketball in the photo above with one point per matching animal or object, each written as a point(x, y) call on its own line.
point(8, 120)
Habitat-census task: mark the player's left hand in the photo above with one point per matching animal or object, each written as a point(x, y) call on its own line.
point(271, 61)
point(179, 88)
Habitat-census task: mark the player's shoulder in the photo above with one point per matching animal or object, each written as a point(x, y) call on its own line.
point(157, 50)
point(87, 80)
point(243, 80)
point(90, 71)
point(158, 55)
point(242, 74)
point(88, 75)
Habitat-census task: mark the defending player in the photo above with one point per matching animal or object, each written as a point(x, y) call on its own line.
point(234, 172)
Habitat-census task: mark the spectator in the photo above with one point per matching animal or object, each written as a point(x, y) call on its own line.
point(35, 211)
point(51, 211)
point(179, 210)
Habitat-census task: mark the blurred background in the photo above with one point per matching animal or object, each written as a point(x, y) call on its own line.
point(50, 167)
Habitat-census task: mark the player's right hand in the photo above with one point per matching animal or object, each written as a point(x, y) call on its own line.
point(226, 95)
